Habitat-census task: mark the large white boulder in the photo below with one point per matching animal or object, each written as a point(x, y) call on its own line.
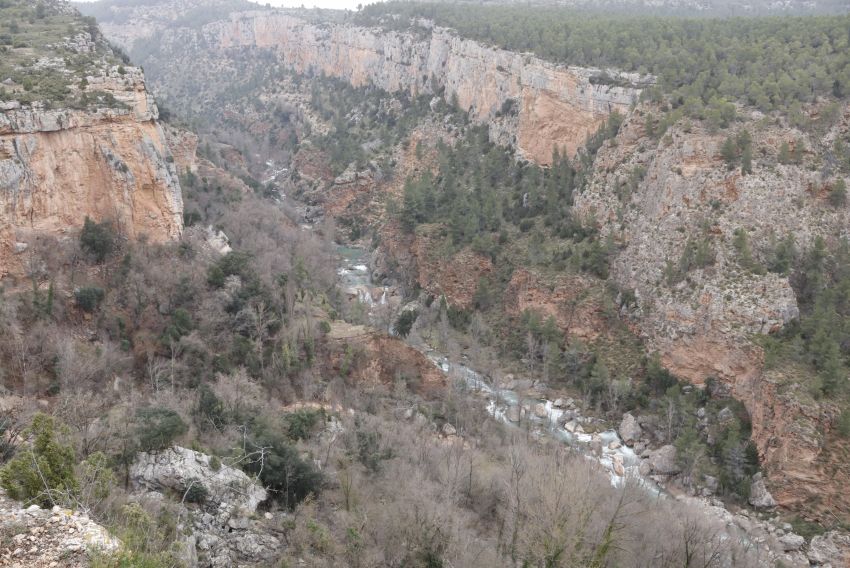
point(663, 461)
point(630, 430)
point(177, 468)
point(760, 497)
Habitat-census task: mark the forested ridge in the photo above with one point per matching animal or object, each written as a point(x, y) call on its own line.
point(770, 62)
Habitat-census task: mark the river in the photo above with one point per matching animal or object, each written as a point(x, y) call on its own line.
point(561, 420)
point(547, 417)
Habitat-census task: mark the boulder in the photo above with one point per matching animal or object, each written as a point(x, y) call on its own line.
point(540, 410)
point(791, 542)
point(175, 469)
point(630, 430)
point(829, 549)
point(449, 430)
point(760, 497)
point(725, 414)
point(514, 413)
point(217, 240)
point(663, 461)
point(614, 444)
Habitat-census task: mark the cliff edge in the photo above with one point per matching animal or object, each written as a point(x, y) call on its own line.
point(78, 137)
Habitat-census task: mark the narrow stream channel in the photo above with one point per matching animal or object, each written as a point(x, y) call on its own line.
point(548, 417)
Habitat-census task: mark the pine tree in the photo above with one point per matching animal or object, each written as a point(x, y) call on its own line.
point(784, 153)
point(744, 145)
point(746, 161)
point(838, 194)
point(729, 152)
point(42, 472)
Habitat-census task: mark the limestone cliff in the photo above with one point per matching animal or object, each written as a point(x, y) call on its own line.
point(103, 156)
point(531, 104)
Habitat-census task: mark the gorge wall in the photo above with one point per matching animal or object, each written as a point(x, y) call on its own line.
point(656, 197)
point(58, 166)
point(532, 105)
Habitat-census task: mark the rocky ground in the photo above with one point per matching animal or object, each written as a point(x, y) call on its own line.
point(33, 537)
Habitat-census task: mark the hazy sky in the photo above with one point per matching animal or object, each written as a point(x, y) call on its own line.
point(335, 4)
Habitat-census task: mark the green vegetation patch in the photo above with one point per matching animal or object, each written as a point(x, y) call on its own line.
point(36, 61)
point(767, 62)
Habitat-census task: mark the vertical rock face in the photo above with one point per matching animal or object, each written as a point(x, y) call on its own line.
point(557, 106)
point(59, 166)
point(531, 104)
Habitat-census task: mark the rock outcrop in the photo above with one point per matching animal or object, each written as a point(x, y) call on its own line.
point(224, 528)
point(830, 549)
point(33, 537)
point(530, 104)
point(630, 430)
point(58, 166)
point(760, 497)
point(657, 197)
point(181, 469)
point(663, 461)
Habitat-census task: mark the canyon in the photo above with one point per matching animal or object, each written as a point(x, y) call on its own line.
point(299, 305)
point(702, 327)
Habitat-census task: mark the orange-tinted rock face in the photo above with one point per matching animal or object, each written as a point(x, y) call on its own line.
point(58, 167)
point(568, 302)
point(416, 259)
point(547, 122)
point(368, 357)
point(653, 197)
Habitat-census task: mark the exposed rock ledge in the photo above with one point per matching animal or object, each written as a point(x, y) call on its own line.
point(528, 103)
point(59, 166)
point(41, 538)
point(225, 530)
point(175, 469)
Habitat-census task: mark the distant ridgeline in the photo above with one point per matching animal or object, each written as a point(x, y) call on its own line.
point(771, 63)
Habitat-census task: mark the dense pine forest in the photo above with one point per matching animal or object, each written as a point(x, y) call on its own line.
point(770, 63)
